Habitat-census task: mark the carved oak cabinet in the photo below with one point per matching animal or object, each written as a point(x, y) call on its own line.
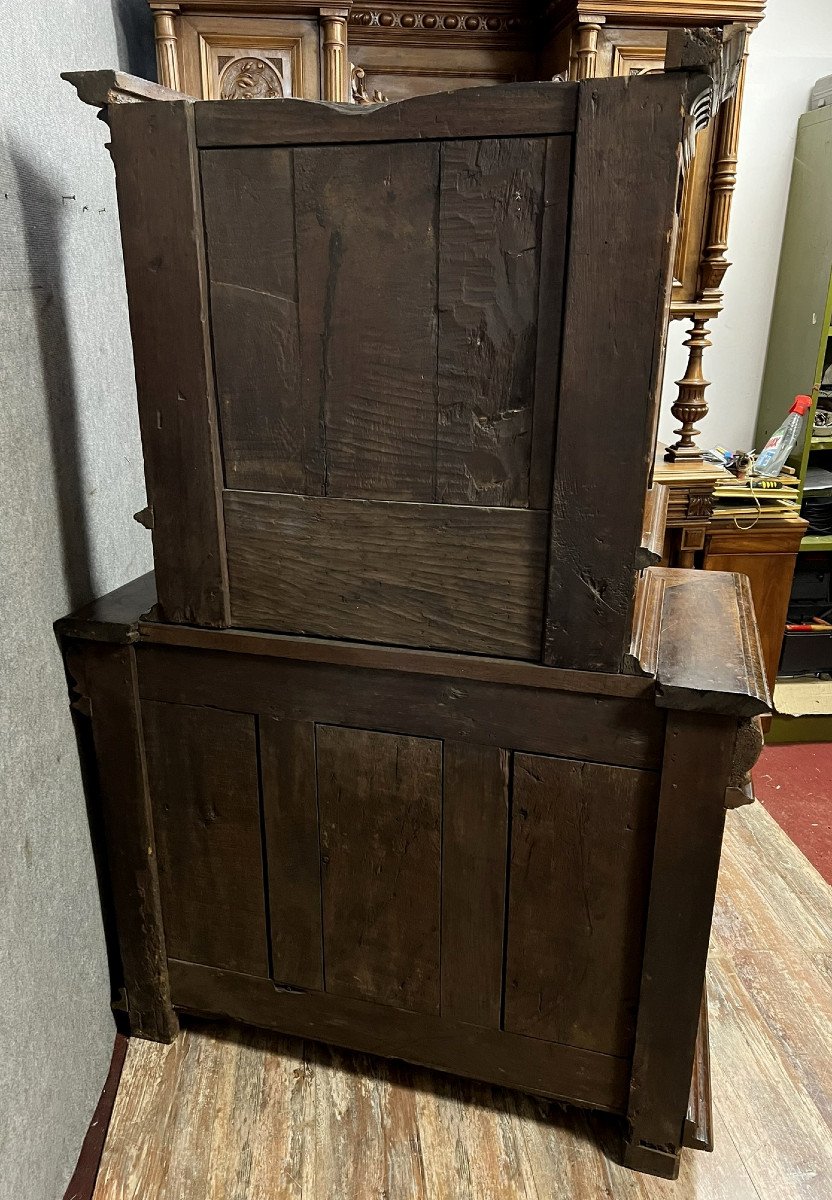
point(407, 747)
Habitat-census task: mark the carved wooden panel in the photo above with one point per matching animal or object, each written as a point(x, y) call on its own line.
point(248, 58)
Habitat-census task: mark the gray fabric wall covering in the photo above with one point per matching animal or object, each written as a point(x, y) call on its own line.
point(70, 479)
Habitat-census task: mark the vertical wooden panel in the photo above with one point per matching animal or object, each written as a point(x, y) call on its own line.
point(164, 263)
point(581, 840)
point(490, 232)
point(622, 232)
point(366, 230)
point(106, 674)
point(202, 767)
point(290, 806)
point(268, 436)
point(380, 798)
point(691, 817)
point(474, 833)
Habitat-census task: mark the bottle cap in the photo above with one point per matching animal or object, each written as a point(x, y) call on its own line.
point(801, 405)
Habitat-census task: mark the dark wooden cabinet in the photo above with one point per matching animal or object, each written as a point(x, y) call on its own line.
point(405, 749)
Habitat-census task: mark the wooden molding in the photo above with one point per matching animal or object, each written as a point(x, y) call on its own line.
point(100, 88)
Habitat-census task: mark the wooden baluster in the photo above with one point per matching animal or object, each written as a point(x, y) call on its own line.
point(586, 59)
point(334, 54)
point(167, 64)
point(690, 405)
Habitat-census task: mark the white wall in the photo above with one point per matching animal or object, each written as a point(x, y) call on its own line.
point(70, 477)
point(789, 51)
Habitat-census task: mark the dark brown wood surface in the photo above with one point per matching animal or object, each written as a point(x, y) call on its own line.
point(290, 815)
point(618, 283)
point(443, 576)
point(481, 112)
point(161, 230)
point(581, 844)
point(699, 1122)
point(114, 617)
point(106, 676)
point(202, 768)
point(617, 730)
point(82, 1184)
point(563, 1072)
point(691, 817)
point(380, 800)
point(474, 854)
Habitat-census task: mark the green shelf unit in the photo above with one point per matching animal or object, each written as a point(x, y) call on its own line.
point(816, 541)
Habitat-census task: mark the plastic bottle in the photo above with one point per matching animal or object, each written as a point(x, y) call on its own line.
point(781, 443)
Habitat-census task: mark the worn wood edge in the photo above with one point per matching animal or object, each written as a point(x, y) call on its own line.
point(113, 617)
point(698, 1133)
point(650, 552)
point(654, 630)
point(82, 1184)
point(101, 88)
point(393, 658)
point(398, 120)
point(598, 1081)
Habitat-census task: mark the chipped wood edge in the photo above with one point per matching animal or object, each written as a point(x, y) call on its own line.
point(699, 1125)
point(650, 552)
point(102, 88)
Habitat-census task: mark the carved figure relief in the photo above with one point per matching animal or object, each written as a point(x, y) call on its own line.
point(250, 78)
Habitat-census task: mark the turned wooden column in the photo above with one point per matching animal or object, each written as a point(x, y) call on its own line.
point(690, 405)
point(723, 182)
point(334, 54)
point(167, 64)
point(583, 64)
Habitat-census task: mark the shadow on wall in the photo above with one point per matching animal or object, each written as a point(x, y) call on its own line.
point(41, 208)
point(134, 38)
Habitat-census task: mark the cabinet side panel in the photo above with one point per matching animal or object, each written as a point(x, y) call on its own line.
point(581, 847)
point(202, 769)
point(380, 799)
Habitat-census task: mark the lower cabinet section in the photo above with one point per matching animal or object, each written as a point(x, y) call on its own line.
point(419, 887)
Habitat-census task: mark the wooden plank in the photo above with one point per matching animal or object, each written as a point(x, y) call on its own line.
point(581, 843)
point(160, 208)
point(699, 1122)
point(202, 767)
point(371, 570)
point(366, 255)
point(621, 243)
point(290, 813)
point(106, 676)
point(615, 730)
point(527, 109)
point(691, 817)
point(380, 799)
point(269, 436)
point(509, 1060)
point(114, 617)
point(491, 200)
point(474, 842)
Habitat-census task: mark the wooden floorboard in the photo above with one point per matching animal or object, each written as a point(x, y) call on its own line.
point(236, 1114)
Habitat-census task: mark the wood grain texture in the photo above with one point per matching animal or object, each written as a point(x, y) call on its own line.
point(526, 108)
point(625, 731)
point(378, 571)
point(202, 768)
point(296, 1136)
point(290, 816)
point(491, 204)
point(563, 1072)
point(474, 846)
point(106, 676)
point(269, 436)
point(581, 845)
point(366, 228)
point(160, 209)
point(618, 286)
point(380, 800)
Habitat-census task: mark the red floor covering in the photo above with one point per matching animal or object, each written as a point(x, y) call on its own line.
point(794, 784)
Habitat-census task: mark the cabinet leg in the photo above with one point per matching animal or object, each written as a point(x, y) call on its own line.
point(652, 1160)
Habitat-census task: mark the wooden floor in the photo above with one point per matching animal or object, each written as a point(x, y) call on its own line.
point(238, 1115)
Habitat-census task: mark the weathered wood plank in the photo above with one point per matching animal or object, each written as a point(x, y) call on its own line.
point(366, 254)
point(269, 438)
point(620, 250)
point(202, 767)
point(509, 1060)
point(382, 572)
point(581, 843)
point(160, 208)
point(528, 109)
point(380, 799)
point(491, 198)
point(290, 813)
point(617, 730)
point(474, 840)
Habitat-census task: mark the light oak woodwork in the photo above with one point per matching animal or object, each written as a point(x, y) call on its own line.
point(245, 1113)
